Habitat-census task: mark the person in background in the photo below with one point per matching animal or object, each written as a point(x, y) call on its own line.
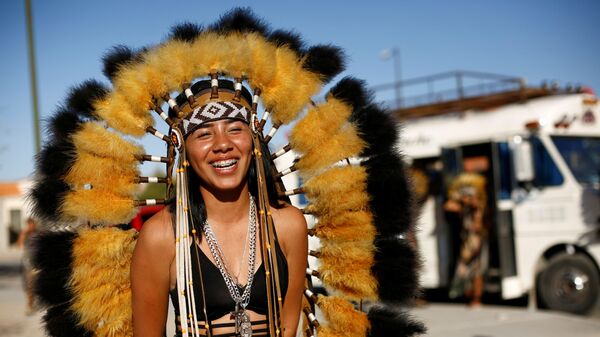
point(28, 272)
point(467, 199)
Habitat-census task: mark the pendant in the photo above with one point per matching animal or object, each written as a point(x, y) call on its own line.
point(243, 324)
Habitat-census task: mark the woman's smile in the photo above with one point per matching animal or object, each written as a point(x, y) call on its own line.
point(225, 167)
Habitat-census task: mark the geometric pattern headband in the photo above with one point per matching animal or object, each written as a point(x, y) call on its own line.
point(213, 111)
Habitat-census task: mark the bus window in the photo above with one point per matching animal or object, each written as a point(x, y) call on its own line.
point(546, 171)
point(506, 171)
point(582, 155)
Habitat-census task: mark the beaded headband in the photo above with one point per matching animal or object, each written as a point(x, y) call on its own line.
point(226, 105)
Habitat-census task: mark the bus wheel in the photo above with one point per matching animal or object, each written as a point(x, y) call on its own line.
point(569, 283)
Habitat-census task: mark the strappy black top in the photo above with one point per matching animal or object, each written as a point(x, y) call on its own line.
point(218, 299)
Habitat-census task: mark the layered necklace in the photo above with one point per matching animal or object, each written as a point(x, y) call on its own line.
point(243, 325)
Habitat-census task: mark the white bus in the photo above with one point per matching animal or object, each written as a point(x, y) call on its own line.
point(540, 153)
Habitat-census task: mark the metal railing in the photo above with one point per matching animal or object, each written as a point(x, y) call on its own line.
point(449, 86)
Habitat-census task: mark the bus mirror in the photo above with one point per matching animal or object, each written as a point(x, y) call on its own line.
point(523, 159)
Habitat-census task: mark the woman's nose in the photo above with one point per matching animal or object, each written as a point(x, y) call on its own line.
point(222, 142)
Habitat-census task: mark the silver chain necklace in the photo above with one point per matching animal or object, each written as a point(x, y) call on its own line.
point(243, 324)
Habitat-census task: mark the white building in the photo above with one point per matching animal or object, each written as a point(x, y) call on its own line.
point(14, 210)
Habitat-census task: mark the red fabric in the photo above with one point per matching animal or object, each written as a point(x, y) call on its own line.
point(144, 214)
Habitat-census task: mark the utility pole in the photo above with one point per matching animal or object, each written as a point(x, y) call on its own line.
point(394, 53)
point(33, 76)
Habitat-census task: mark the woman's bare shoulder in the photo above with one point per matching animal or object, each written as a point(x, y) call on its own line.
point(290, 225)
point(157, 232)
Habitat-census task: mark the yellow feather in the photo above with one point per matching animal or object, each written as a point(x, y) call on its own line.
point(131, 87)
point(175, 62)
point(97, 140)
point(99, 206)
point(238, 55)
point(342, 317)
point(291, 89)
point(100, 280)
point(201, 48)
point(353, 282)
point(349, 201)
point(318, 125)
point(115, 110)
point(344, 144)
point(323, 331)
point(361, 251)
point(336, 181)
point(263, 68)
point(113, 175)
point(346, 226)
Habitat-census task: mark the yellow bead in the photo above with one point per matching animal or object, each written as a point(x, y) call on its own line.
point(267, 273)
point(193, 231)
point(206, 326)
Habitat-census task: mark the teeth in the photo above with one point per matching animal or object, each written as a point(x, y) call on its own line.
point(224, 163)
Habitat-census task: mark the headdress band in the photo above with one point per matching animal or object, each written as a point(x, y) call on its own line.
point(214, 109)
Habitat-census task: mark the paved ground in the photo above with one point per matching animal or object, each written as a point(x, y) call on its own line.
point(455, 320)
point(443, 320)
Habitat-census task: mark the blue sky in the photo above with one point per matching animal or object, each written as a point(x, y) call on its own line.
point(538, 40)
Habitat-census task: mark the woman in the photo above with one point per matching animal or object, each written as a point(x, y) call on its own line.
point(220, 153)
point(224, 273)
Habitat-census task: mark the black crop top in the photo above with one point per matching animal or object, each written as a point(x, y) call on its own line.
point(218, 299)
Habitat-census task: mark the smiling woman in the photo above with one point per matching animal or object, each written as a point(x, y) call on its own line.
point(228, 249)
point(219, 148)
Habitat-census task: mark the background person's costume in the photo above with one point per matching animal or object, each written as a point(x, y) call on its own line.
point(88, 173)
point(468, 191)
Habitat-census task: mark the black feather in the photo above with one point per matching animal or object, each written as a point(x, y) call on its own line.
point(52, 257)
point(185, 31)
point(56, 159)
point(377, 128)
point(396, 268)
point(60, 321)
point(81, 97)
point(46, 197)
point(387, 321)
point(391, 195)
point(116, 57)
point(325, 60)
point(288, 38)
point(352, 91)
point(62, 125)
point(240, 20)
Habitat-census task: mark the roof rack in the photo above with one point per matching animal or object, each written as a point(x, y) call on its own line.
point(458, 91)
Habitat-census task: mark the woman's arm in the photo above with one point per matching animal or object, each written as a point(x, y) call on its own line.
point(150, 280)
point(292, 233)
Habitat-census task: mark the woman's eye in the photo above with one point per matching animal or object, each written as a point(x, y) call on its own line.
point(203, 134)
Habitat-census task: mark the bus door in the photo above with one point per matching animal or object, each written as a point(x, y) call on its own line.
point(504, 184)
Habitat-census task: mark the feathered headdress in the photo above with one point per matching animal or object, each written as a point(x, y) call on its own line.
point(354, 177)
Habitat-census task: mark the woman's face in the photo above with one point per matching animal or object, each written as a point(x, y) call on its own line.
point(220, 153)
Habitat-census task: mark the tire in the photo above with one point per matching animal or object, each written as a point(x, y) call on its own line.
point(569, 283)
